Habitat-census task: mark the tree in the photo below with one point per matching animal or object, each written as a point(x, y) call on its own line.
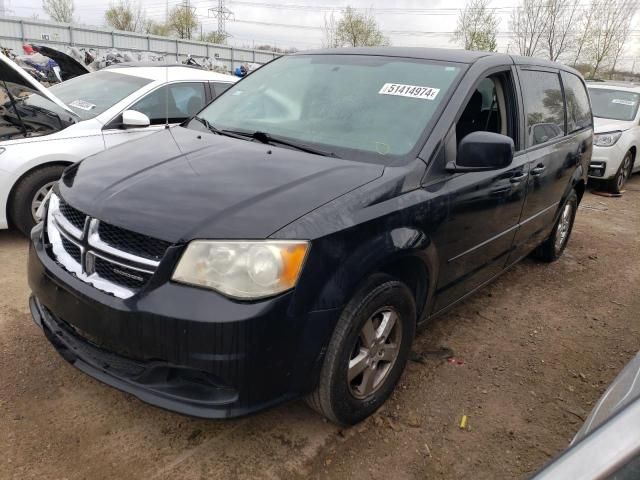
point(214, 37)
point(529, 21)
point(329, 31)
point(557, 37)
point(59, 10)
point(353, 29)
point(183, 21)
point(584, 30)
point(157, 28)
point(124, 15)
point(609, 30)
point(477, 27)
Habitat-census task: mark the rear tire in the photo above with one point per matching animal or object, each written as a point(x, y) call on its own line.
point(553, 247)
point(617, 183)
point(367, 352)
point(28, 192)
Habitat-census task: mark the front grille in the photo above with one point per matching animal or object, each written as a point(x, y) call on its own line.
point(121, 275)
point(73, 216)
point(110, 258)
point(72, 249)
point(131, 242)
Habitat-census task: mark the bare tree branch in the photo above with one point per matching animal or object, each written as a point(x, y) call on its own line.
point(59, 10)
point(529, 22)
point(560, 27)
point(477, 27)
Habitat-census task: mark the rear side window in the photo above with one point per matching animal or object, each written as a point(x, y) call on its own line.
point(543, 105)
point(578, 109)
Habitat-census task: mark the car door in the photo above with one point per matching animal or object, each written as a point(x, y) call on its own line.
point(552, 155)
point(173, 103)
point(485, 206)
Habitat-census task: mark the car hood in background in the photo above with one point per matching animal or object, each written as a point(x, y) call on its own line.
point(602, 125)
point(69, 66)
point(13, 73)
point(624, 389)
point(181, 184)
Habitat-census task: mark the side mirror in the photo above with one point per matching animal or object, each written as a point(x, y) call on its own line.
point(481, 151)
point(134, 119)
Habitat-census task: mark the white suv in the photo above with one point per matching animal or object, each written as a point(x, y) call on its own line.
point(44, 130)
point(617, 133)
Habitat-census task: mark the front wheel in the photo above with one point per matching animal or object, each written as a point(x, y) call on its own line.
point(367, 352)
point(551, 249)
point(617, 183)
point(29, 194)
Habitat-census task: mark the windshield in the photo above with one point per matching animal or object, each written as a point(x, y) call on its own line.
point(90, 95)
point(614, 104)
point(368, 107)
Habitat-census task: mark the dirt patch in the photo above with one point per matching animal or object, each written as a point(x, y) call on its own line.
point(535, 350)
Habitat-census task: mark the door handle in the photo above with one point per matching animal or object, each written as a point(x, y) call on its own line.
point(538, 170)
point(518, 178)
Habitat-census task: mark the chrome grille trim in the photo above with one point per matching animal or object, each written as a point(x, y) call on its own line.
point(96, 241)
point(91, 247)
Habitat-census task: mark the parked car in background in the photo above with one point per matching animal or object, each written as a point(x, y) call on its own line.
point(43, 130)
point(608, 444)
point(289, 239)
point(617, 133)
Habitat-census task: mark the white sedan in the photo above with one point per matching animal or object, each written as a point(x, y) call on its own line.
point(42, 131)
point(616, 119)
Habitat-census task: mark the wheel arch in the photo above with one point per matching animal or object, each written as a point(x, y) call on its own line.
point(405, 253)
point(10, 196)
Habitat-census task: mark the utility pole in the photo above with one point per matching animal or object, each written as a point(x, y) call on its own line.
point(222, 13)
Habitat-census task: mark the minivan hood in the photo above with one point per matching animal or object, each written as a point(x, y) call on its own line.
point(181, 184)
point(12, 72)
point(602, 125)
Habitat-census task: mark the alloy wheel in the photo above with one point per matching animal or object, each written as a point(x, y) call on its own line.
point(375, 352)
point(38, 198)
point(564, 224)
point(625, 172)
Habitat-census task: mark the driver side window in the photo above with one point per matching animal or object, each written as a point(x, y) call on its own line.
point(177, 102)
point(488, 109)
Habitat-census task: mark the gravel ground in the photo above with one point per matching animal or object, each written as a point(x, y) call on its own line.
point(533, 351)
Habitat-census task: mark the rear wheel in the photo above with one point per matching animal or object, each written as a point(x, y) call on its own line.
point(367, 352)
point(553, 247)
point(617, 183)
point(29, 194)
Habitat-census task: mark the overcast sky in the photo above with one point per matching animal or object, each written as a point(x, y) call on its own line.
point(298, 23)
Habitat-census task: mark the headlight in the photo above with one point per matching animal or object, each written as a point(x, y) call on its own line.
point(242, 269)
point(606, 139)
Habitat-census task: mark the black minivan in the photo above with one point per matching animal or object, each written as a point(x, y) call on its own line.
point(288, 240)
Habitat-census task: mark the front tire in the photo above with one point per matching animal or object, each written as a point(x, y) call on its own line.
point(617, 183)
point(367, 353)
point(553, 247)
point(29, 193)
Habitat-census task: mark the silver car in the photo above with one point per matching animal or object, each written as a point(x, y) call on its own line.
point(44, 130)
point(608, 444)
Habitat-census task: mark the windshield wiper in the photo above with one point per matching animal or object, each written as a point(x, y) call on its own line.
point(270, 139)
point(217, 131)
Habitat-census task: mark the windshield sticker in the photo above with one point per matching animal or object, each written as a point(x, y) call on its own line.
point(628, 103)
point(82, 105)
point(412, 91)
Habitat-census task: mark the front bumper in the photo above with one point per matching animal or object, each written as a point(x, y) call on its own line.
point(181, 348)
point(605, 161)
